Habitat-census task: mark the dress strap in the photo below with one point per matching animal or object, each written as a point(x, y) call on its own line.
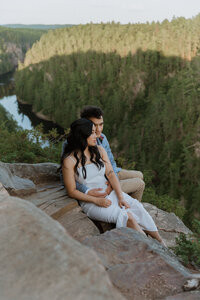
point(72, 158)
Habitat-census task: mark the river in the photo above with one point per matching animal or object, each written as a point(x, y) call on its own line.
point(22, 113)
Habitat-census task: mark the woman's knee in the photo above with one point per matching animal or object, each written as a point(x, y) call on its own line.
point(131, 219)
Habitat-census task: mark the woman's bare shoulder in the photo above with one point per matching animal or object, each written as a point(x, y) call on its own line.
point(69, 161)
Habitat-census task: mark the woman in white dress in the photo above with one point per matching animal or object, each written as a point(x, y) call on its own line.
point(87, 163)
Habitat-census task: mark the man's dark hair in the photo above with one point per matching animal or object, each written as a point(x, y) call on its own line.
point(91, 112)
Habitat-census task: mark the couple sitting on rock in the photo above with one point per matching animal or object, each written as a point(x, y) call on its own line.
point(91, 176)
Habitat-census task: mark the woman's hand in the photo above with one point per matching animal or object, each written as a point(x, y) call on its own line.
point(103, 202)
point(109, 188)
point(122, 202)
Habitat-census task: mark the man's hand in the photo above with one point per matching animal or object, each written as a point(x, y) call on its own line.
point(122, 202)
point(109, 188)
point(103, 202)
point(97, 193)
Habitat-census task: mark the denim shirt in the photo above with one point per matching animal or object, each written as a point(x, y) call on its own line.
point(102, 141)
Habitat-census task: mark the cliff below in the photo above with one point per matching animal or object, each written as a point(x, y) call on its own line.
point(14, 43)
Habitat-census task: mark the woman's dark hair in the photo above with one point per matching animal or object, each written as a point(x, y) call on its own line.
point(76, 143)
point(91, 112)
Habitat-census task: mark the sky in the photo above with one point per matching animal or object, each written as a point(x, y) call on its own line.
point(96, 11)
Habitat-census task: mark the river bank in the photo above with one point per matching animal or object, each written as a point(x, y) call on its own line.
point(40, 115)
point(20, 110)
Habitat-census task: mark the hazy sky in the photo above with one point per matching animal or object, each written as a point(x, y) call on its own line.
point(86, 11)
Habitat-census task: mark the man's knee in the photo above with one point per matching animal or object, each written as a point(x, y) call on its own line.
point(142, 184)
point(135, 174)
point(132, 185)
point(140, 175)
point(138, 183)
point(137, 193)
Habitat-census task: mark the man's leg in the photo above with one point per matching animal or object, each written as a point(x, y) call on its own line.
point(132, 184)
point(126, 174)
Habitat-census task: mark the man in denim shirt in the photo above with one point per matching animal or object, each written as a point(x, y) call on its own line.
point(131, 181)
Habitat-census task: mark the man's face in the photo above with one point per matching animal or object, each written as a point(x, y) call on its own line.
point(98, 124)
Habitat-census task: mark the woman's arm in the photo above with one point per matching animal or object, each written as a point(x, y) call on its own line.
point(110, 174)
point(70, 184)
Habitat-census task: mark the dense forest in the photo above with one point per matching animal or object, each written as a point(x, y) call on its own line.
point(13, 45)
point(26, 146)
point(37, 26)
point(145, 77)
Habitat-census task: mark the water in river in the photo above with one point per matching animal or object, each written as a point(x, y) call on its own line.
point(20, 112)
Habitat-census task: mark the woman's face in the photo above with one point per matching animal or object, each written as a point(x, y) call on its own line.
point(92, 139)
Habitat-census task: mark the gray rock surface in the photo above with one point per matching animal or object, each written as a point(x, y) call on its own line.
point(54, 201)
point(39, 260)
point(15, 184)
point(169, 225)
point(78, 225)
point(141, 268)
point(3, 191)
point(38, 173)
point(193, 295)
point(15, 51)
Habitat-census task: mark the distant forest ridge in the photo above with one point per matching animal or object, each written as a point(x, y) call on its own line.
point(37, 26)
point(180, 37)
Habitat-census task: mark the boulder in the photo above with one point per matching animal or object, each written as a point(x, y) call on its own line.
point(39, 260)
point(54, 201)
point(193, 295)
point(13, 183)
point(38, 173)
point(3, 191)
point(140, 267)
point(77, 224)
point(20, 179)
point(169, 225)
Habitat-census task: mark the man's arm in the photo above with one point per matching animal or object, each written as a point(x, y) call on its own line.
point(81, 188)
point(106, 146)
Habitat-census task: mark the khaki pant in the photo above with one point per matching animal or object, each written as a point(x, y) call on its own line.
point(132, 183)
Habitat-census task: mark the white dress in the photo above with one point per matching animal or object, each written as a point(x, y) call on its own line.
point(112, 214)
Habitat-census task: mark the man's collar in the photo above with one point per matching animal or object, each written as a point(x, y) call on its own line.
point(101, 138)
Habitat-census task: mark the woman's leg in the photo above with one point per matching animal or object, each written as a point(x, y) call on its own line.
point(144, 219)
point(131, 223)
point(156, 235)
point(140, 214)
